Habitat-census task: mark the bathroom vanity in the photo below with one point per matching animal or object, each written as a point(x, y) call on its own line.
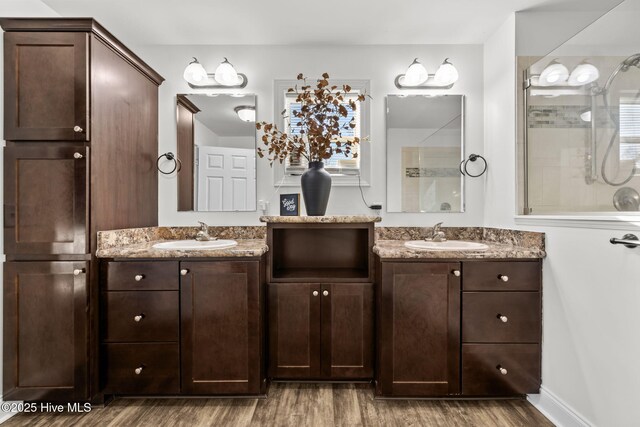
point(320, 299)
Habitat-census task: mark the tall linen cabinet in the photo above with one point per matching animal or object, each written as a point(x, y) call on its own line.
point(81, 132)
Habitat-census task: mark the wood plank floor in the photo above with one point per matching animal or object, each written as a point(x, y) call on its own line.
point(298, 404)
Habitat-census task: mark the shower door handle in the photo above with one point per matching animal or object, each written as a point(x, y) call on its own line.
point(629, 240)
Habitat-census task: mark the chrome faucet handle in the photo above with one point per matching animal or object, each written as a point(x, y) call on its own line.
point(203, 233)
point(437, 235)
point(203, 227)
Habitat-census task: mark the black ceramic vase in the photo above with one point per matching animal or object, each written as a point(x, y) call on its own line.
point(316, 187)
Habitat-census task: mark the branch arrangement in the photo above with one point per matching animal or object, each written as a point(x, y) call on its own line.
point(318, 119)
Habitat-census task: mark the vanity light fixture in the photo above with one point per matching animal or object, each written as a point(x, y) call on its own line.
point(417, 77)
point(247, 113)
point(553, 75)
point(584, 73)
point(225, 76)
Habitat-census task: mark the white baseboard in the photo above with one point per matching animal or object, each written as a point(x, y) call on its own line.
point(556, 410)
point(4, 416)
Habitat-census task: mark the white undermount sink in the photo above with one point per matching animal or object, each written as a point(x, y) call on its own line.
point(448, 245)
point(194, 245)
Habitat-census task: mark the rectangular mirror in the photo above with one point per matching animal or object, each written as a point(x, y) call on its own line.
point(217, 149)
point(425, 145)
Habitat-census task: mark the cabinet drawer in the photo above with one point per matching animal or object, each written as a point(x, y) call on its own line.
point(482, 365)
point(495, 317)
point(159, 373)
point(141, 316)
point(501, 276)
point(149, 275)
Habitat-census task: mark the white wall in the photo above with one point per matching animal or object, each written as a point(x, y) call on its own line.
point(380, 64)
point(202, 135)
point(591, 289)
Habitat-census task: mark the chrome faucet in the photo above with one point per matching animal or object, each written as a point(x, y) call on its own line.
point(437, 235)
point(203, 233)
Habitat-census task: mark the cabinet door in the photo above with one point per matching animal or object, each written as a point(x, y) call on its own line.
point(221, 327)
point(46, 96)
point(347, 331)
point(294, 330)
point(419, 329)
point(45, 331)
point(45, 193)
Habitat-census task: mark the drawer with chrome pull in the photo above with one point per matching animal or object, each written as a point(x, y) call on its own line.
point(142, 275)
point(141, 316)
point(501, 276)
point(499, 317)
point(500, 369)
point(142, 368)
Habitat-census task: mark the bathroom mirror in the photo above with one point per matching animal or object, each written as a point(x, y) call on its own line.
point(425, 145)
point(217, 149)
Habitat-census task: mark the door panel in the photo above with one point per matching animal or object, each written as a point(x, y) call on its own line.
point(294, 330)
point(45, 330)
point(420, 329)
point(221, 328)
point(347, 331)
point(46, 97)
point(45, 199)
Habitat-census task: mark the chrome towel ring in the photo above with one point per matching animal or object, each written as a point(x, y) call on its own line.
point(177, 164)
point(472, 158)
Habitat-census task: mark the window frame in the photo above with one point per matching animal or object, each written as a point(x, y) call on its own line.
point(290, 177)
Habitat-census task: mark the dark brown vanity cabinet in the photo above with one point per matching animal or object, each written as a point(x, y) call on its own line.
point(81, 125)
point(189, 327)
point(320, 301)
point(469, 328)
point(418, 329)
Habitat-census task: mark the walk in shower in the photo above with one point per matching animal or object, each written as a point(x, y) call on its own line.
point(579, 123)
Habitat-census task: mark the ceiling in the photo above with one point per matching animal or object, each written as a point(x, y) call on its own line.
point(285, 22)
point(216, 113)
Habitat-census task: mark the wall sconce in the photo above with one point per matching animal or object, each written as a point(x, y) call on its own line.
point(417, 77)
point(225, 76)
point(247, 113)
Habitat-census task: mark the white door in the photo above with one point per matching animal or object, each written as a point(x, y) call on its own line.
point(226, 179)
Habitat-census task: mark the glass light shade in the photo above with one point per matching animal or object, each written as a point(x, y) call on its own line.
point(583, 74)
point(226, 75)
point(246, 114)
point(554, 74)
point(585, 116)
point(195, 72)
point(446, 74)
point(416, 74)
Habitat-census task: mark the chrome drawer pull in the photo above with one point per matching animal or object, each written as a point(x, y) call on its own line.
point(503, 319)
point(139, 277)
point(184, 272)
point(138, 317)
point(315, 293)
point(78, 271)
point(325, 293)
point(503, 277)
point(502, 370)
point(456, 273)
point(138, 370)
point(77, 129)
point(77, 155)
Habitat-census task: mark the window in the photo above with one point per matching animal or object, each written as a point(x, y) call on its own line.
point(630, 130)
point(345, 172)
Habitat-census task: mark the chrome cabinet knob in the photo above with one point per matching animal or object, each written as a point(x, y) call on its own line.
point(77, 155)
point(315, 293)
point(502, 370)
point(503, 319)
point(184, 272)
point(456, 273)
point(77, 129)
point(78, 271)
point(138, 370)
point(138, 317)
point(503, 277)
point(139, 277)
point(325, 293)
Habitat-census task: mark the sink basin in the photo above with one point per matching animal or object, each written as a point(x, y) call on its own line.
point(449, 245)
point(194, 245)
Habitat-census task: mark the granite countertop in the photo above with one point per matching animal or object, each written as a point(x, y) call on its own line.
point(395, 249)
point(330, 219)
point(245, 248)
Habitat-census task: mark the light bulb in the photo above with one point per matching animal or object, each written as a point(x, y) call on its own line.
point(226, 75)
point(195, 72)
point(446, 74)
point(246, 113)
point(583, 74)
point(555, 73)
point(416, 74)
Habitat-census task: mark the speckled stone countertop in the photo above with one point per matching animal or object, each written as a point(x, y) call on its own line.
point(138, 242)
point(330, 219)
point(396, 249)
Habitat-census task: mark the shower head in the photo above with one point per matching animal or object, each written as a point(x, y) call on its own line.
point(632, 61)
